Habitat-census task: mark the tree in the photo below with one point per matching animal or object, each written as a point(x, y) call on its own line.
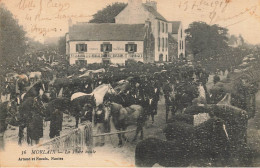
point(62, 46)
point(201, 37)
point(12, 40)
point(108, 14)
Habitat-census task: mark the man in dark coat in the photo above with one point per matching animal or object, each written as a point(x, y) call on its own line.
point(216, 79)
point(166, 90)
point(56, 123)
point(35, 122)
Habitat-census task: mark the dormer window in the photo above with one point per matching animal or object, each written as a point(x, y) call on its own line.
point(131, 48)
point(81, 47)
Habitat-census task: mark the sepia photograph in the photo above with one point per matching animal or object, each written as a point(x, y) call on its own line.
point(129, 83)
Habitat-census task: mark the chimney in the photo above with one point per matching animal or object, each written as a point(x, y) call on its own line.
point(70, 22)
point(135, 2)
point(151, 3)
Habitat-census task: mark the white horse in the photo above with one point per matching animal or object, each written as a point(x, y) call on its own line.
point(79, 99)
point(98, 93)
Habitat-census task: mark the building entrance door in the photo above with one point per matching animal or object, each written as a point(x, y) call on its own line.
point(161, 58)
point(106, 61)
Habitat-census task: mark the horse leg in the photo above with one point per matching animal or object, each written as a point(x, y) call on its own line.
point(2, 142)
point(136, 132)
point(20, 134)
point(37, 141)
point(120, 140)
point(125, 139)
point(152, 115)
point(167, 112)
point(77, 121)
point(142, 134)
point(29, 140)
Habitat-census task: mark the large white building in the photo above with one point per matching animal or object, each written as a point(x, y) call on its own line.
point(139, 33)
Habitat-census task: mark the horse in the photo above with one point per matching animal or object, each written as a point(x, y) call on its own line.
point(185, 145)
point(35, 76)
point(96, 98)
point(31, 116)
point(123, 117)
point(22, 81)
point(7, 116)
point(39, 88)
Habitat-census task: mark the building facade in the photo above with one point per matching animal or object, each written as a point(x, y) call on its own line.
point(89, 43)
point(138, 13)
point(139, 24)
point(177, 33)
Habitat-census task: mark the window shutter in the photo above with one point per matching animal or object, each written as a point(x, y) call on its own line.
point(86, 48)
point(101, 48)
point(126, 48)
point(159, 24)
point(77, 48)
point(135, 47)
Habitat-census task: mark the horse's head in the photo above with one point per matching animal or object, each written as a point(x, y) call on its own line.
point(111, 90)
point(107, 113)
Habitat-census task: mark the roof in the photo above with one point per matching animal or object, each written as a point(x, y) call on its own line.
point(175, 26)
point(107, 32)
point(172, 39)
point(154, 12)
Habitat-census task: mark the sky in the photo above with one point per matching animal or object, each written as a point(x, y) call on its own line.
point(49, 18)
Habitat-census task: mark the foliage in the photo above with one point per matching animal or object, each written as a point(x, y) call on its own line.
point(62, 45)
point(108, 14)
point(13, 41)
point(210, 46)
point(201, 37)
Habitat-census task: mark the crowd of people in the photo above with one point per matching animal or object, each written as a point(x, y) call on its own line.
point(136, 83)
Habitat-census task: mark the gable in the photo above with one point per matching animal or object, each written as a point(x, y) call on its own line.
point(175, 27)
point(138, 15)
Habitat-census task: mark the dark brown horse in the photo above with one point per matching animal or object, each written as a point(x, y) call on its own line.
point(31, 117)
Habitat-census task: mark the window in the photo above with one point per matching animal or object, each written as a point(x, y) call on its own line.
point(166, 27)
point(162, 27)
point(166, 44)
point(81, 47)
point(106, 47)
point(181, 33)
point(180, 44)
point(159, 45)
point(162, 44)
point(159, 25)
point(131, 47)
